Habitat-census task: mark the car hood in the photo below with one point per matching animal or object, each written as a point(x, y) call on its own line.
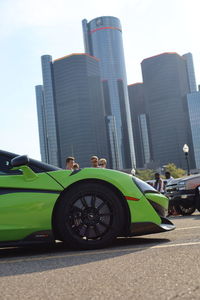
point(177, 180)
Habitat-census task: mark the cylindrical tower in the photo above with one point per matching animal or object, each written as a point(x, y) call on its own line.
point(103, 39)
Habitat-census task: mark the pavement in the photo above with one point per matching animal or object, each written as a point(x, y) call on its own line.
point(159, 266)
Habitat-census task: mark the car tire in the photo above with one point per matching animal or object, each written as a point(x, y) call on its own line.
point(89, 216)
point(184, 211)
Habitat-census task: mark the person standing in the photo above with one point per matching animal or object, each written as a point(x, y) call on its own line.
point(70, 163)
point(102, 163)
point(168, 177)
point(94, 161)
point(158, 184)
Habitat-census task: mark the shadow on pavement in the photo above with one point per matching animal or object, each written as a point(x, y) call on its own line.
point(195, 215)
point(15, 261)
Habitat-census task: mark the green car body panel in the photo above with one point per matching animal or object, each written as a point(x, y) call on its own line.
point(124, 183)
point(26, 205)
point(27, 201)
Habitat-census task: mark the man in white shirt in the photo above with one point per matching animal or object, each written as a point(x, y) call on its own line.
point(168, 178)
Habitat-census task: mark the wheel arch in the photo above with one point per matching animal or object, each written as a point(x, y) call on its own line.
point(126, 229)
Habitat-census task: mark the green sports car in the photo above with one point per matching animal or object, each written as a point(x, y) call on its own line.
point(86, 209)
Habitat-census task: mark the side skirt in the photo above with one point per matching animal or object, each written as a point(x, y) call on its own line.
point(39, 237)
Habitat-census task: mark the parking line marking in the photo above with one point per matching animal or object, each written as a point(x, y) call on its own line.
point(184, 228)
point(176, 245)
point(89, 253)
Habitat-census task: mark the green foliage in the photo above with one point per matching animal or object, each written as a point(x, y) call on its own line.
point(148, 174)
point(175, 172)
point(145, 175)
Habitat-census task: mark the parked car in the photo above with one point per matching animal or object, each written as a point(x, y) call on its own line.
point(86, 208)
point(183, 194)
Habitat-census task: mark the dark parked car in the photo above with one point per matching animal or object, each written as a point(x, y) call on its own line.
point(183, 194)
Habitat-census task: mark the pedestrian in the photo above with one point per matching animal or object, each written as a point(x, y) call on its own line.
point(168, 177)
point(70, 163)
point(94, 161)
point(158, 184)
point(102, 163)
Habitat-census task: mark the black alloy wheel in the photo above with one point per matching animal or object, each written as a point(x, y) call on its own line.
point(184, 211)
point(89, 216)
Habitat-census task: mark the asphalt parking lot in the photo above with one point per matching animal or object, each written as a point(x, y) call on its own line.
point(159, 266)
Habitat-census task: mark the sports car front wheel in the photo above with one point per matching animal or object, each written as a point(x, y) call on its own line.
point(89, 216)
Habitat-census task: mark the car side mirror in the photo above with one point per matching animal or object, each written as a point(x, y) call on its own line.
point(18, 161)
point(21, 162)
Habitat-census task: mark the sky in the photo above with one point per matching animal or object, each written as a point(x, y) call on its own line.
point(32, 28)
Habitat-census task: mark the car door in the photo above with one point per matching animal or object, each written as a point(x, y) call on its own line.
point(25, 204)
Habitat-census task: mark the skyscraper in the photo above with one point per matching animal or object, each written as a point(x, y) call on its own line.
point(46, 114)
point(42, 123)
point(79, 106)
point(191, 73)
point(103, 39)
point(140, 126)
point(166, 84)
point(78, 109)
point(193, 100)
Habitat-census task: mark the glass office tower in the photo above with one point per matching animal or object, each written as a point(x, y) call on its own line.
point(46, 114)
point(71, 114)
point(103, 39)
point(166, 84)
point(80, 115)
point(42, 123)
point(193, 100)
point(191, 73)
point(140, 126)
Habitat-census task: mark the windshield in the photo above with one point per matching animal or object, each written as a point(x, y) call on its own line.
point(35, 165)
point(143, 186)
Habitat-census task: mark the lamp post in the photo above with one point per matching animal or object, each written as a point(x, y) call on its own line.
point(186, 151)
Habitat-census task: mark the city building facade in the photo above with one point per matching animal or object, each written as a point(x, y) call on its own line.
point(140, 126)
point(193, 101)
point(103, 39)
point(191, 73)
point(166, 84)
point(78, 107)
point(46, 114)
point(42, 123)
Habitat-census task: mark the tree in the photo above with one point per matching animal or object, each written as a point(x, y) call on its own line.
point(174, 171)
point(146, 174)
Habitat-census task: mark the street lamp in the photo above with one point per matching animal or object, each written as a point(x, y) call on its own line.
point(186, 151)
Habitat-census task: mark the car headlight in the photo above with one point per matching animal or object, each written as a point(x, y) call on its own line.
point(182, 185)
